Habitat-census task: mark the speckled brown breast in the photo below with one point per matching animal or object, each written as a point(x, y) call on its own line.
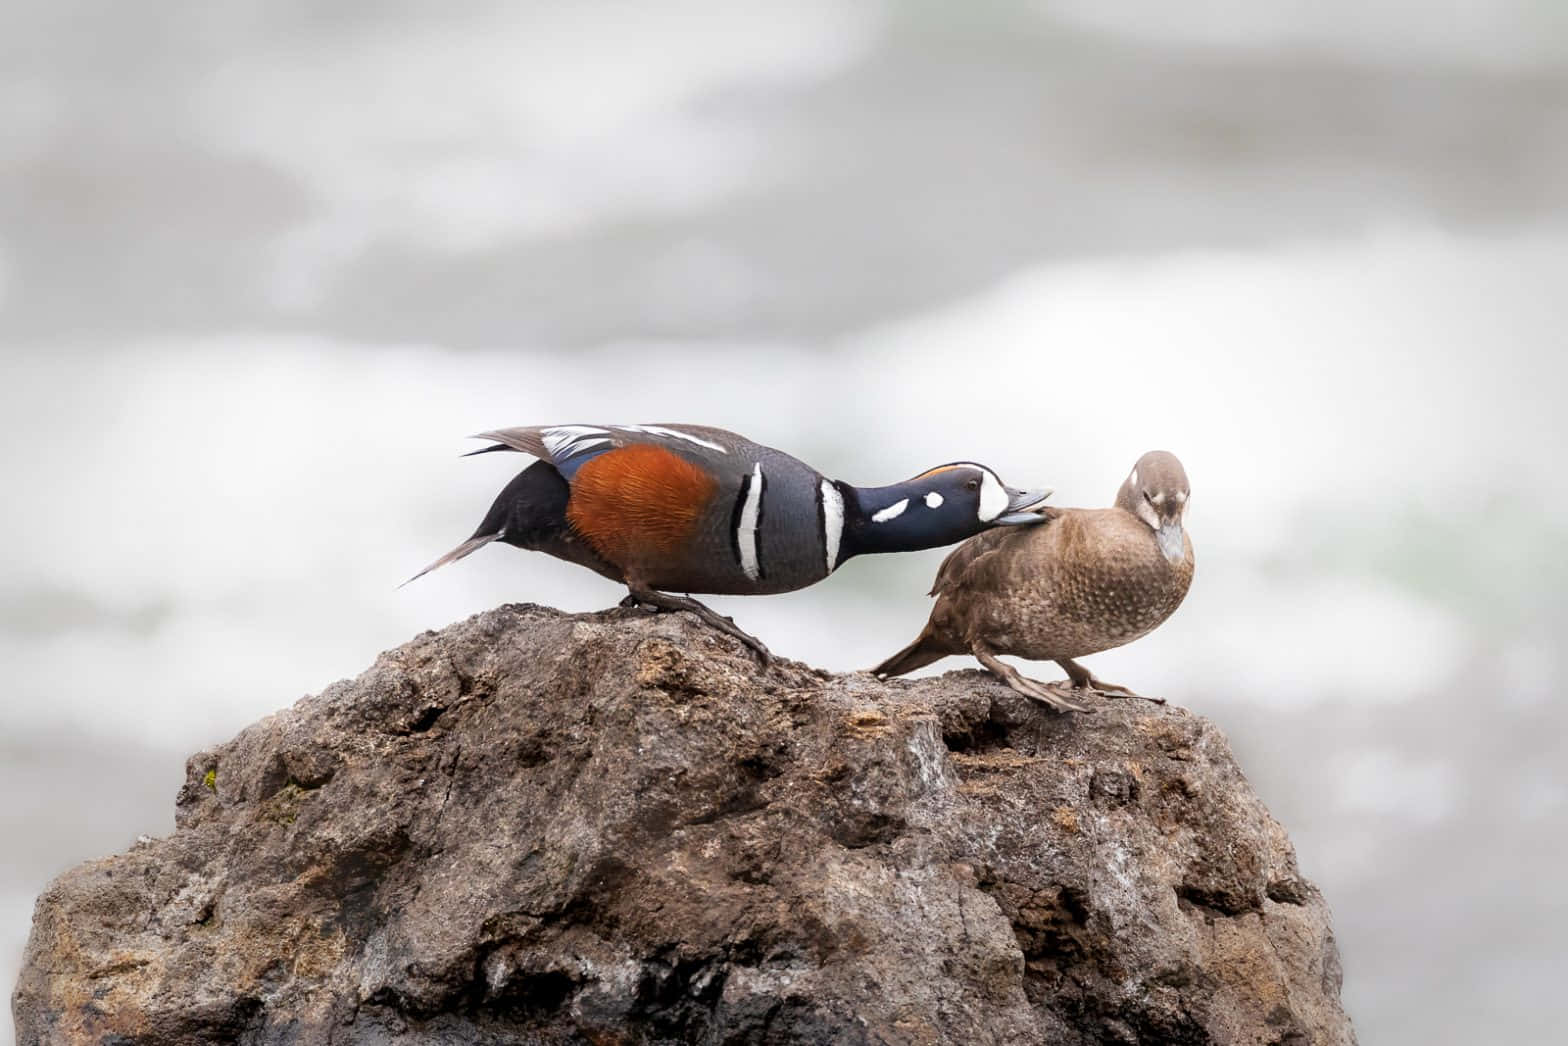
point(1087, 581)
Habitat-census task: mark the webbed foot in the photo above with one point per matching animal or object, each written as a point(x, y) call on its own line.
point(1030, 688)
point(661, 602)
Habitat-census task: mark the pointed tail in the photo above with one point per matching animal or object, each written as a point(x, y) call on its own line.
point(478, 541)
point(918, 654)
point(531, 506)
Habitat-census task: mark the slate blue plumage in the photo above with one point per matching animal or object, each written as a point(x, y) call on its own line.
point(686, 508)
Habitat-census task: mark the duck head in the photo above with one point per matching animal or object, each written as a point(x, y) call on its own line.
point(1156, 491)
point(938, 507)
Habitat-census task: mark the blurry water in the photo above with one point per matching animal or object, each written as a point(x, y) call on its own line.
point(262, 267)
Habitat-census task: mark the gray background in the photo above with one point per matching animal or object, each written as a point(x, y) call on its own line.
point(262, 265)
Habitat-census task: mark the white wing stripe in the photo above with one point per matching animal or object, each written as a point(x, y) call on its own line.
point(659, 430)
point(562, 441)
point(565, 441)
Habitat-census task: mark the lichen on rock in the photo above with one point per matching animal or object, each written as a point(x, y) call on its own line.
point(538, 827)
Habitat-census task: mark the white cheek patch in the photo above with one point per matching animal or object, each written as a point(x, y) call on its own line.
point(993, 496)
point(1181, 497)
point(893, 511)
point(933, 500)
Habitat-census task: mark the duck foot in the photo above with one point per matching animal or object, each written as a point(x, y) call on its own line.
point(1030, 688)
point(1083, 681)
point(662, 602)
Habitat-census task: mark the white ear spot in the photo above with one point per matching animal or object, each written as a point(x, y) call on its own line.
point(993, 496)
point(893, 511)
point(933, 500)
point(1181, 497)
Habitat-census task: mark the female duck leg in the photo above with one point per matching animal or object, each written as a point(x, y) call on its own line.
point(1083, 679)
point(643, 596)
point(1028, 687)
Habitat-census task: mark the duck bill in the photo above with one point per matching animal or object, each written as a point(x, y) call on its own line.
point(1023, 507)
point(1170, 541)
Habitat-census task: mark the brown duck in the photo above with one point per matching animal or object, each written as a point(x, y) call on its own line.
point(1085, 581)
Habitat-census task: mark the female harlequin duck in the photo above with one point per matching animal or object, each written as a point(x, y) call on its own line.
point(1085, 581)
point(686, 508)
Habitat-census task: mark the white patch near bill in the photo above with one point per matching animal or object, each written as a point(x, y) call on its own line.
point(993, 496)
point(893, 511)
point(832, 522)
point(1132, 480)
point(660, 430)
point(933, 500)
point(746, 528)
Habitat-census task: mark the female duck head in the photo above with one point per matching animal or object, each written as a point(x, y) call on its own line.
point(1156, 491)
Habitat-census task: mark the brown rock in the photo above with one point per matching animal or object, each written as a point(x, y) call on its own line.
point(613, 828)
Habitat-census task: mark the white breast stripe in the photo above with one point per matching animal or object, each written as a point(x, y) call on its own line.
point(746, 526)
point(832, 522)
point(659, 430)
point(893, 511)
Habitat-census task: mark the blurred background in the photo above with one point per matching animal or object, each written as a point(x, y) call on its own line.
point(262, 265)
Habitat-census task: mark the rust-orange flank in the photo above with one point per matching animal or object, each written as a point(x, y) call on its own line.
point(638, 504)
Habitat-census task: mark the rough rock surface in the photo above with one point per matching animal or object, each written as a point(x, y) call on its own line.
point(614, 828)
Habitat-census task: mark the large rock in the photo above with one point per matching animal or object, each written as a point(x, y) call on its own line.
point(534, 827)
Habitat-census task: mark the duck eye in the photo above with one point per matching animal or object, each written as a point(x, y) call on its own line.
point(973, 484)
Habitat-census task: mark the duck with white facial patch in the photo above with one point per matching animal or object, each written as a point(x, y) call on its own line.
point(687, 508)
point(1087, 580)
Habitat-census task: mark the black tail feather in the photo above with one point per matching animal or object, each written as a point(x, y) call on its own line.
point(471, 545)
point(487, 450)
point(529, 510)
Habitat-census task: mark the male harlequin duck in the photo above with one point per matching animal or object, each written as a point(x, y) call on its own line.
point(686, 508)
point(1085, 581)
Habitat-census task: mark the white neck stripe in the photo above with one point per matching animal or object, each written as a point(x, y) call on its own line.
point(832, 522)
point(893, 511)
